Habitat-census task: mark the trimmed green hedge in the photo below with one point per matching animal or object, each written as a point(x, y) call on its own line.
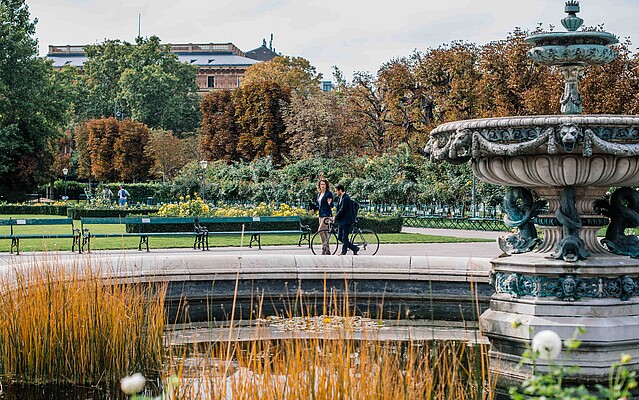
point(44, 209)
point(78, 212)
point(378, 224)
point(218, 227)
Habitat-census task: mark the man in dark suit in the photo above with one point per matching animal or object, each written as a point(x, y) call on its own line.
point(345, 219)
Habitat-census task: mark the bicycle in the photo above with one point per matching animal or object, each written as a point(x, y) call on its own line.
point(366, 239)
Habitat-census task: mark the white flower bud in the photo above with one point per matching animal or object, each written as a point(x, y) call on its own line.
point(132, 384)
point(547, 344)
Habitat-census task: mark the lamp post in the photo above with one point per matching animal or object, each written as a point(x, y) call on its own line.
point(65, 171)
point(203, 165)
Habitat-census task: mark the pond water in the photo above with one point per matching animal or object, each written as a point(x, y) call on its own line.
point(191, 348)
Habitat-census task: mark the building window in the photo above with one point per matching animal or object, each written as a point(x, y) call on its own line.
point(239, 81)
point(210, 82)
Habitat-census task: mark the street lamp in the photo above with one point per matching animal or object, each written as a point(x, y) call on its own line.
point(203, 165)
point(65, 171)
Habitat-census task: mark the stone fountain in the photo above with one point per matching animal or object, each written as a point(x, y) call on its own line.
point(568, 279)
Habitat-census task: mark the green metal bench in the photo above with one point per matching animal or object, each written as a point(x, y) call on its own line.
point(140, 222)
point(252, 225)
point(200, 230)
point(15, 236)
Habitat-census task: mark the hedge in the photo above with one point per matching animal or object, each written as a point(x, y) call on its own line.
point(379, 225)
point(139, 192)
point(78, 212)
point(45, 209)
point(385, 224)
point(218, 227)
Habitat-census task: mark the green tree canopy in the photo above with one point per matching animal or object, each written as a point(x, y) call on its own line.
point(31, 104)
point(145, 82)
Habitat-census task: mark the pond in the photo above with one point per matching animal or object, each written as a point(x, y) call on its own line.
point(329, 355)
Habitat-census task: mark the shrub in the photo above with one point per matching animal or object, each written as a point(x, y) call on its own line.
point(379, 224)
point(79, 212)
point(39, 208)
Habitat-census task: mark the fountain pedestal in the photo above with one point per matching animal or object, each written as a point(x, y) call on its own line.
point(534, 293)
point(570, 279)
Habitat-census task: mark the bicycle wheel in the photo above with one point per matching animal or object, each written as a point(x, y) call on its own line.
point(316, 242)
point(366, 240)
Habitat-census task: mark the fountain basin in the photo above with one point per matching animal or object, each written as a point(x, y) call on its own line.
point(572, 48)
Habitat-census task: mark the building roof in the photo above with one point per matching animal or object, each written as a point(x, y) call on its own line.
point(262, 53)
point(202, 55)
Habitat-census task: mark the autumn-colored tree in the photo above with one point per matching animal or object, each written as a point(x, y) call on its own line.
point(110, 150)
point(315, 126)
point(408, 112)
point(612, 88)
point(131, 162)
point(367, 103)
point(220, 135)
point(259, 109)
point(167, 152)
point(512, 84)
point(102, 136)
point(449, 74)
point(294, 73)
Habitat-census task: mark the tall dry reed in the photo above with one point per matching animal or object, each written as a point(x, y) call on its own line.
point(73, 325)
point(339, 364)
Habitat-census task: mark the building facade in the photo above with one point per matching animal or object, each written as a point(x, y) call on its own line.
point(219, 65)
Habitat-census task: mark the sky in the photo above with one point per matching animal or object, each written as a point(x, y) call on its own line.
point(354, 35)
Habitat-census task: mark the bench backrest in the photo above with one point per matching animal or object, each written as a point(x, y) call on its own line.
point(109, 220)
point(35, 221)
point(213, 220)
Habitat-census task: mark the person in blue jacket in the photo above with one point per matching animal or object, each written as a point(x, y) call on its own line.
point(325, 210)
point(345, 218)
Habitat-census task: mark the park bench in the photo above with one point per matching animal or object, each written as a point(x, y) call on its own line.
point(139, 223)
point(200, 231)
point(254, 227)
point(15, 235)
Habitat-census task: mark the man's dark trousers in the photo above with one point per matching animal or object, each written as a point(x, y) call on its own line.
point(343, 232)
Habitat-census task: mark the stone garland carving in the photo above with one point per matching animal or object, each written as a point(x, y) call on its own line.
point(623, 211)
point(578, 53)
point(466, 143)
point(520, 211)
point(571, 247)
point(567, 287)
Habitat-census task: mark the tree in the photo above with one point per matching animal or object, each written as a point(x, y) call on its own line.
point(110, 150)
point(131, 162)
point(294, 73)
point(167, 152)
point(101, 139)
point(259, 109)
point(512, 84)
point(31, 105)
point(620, 78)
point(370, 111)
point(314, 125)
point(145, 82)
point(218, 126)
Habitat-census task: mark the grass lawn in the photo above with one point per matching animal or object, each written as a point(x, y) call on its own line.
point(176, 242)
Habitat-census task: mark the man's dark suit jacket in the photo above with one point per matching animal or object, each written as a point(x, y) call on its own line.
point(344, 215)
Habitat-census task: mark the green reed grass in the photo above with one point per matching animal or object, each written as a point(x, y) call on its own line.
point(72, 325)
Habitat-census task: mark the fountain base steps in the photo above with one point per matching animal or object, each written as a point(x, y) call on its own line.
point(535, 293)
